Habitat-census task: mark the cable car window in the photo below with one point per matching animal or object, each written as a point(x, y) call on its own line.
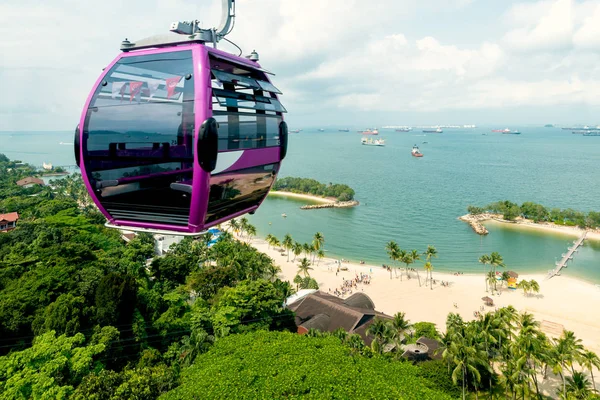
point(245, 81)
point(236, 191)
point(139, 133)
point(249, 131)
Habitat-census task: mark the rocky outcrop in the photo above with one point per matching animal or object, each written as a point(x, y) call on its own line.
point(476, 222)
point(337, 204)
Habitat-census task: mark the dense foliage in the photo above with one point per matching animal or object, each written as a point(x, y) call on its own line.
point(86, 315)
point(311, 186)
point(539, 213)
point(284, 365)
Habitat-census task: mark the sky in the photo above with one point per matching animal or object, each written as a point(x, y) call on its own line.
point(338, 62)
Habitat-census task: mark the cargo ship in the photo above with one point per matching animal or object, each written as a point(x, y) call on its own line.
point(370, 132)
point(437, 130)
point(403, 129)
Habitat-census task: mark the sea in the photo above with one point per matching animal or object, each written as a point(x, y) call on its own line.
point(416, 201)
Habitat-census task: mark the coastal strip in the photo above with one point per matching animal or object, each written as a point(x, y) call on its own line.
point(462, 295)
point(324, 202)
point(476, 222)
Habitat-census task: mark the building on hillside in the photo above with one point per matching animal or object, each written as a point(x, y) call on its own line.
point(30, 181)
point(327, 313)
point(8, 222)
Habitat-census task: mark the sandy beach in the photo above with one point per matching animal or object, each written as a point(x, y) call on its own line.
point(562, 300)
point(300, 196)
point(523, 223)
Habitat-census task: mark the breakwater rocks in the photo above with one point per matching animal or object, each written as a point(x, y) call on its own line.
point(476, 222)
point(337, 204)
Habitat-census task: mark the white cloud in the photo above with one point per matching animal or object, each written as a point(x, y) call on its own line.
point(333, 59)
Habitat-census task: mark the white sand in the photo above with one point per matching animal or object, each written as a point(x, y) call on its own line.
point(562, 300)
point(301, 196)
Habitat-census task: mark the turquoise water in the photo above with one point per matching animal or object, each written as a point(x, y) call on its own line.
point(416, 201)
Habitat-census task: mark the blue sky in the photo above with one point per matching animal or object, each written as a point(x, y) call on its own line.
point(338, 62)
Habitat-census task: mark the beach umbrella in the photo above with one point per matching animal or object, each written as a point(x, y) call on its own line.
point(513, 274)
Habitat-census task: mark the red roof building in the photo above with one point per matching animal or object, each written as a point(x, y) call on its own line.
point(8, 222)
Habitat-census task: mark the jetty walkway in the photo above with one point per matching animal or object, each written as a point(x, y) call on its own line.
point(566, 257)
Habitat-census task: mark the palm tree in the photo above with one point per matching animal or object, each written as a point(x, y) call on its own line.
point(578, 386)
point(589, 360)
point(251, 231)
point(392, 249)
point(297, 249)
point(407, 259)
point(524, 285)
point(304, 267)
point(429, 268)
point(415, 256)
point(235, 226)
point(298, 280)
point(269, 240)
point(320, 255)
point(496, 261)
point(466, 358)
point(318, 241)
point(243, 225)
point(399, 326)
point(491, 278)
point(505, 278)
point(276, 242)
point(379, 329)
point(485, 259)
point(534, 286)
point(288, 244)
point(430, 253)
point(307, 248)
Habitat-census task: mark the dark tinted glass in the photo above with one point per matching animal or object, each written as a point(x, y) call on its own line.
point(247, 131)
point(239, 190)
point(139, 135)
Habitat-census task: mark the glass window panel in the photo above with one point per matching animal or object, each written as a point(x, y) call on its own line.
point(139, 138)
point(236, 79)
point(238, 190)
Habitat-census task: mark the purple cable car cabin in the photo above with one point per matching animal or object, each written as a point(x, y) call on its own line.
point(180, 138)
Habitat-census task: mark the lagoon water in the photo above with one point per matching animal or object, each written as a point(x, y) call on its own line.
point(416, 202)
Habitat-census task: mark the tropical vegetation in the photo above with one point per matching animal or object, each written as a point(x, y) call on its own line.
point(310, 186)
point(538, 213)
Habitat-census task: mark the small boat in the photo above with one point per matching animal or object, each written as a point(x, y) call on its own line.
point(415, 151)
point(47, 167)
point(295, 130)
point(425, 142)
point(437, 130)
point(284, 215)
point(372, 142)
point(321, 130)
point(370, 132)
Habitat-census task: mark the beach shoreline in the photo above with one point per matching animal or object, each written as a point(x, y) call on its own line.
point(302, 196)
point(421, 303)
point(526, 223)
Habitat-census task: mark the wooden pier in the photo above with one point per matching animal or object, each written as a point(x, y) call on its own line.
point(566, 257)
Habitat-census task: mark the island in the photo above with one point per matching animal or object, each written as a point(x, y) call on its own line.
point(332, 195)
point(533, 215)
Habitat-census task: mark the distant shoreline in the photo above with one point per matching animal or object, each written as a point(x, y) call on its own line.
point(477, 221)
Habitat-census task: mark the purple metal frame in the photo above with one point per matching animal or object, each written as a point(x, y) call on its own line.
point(203, 111)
